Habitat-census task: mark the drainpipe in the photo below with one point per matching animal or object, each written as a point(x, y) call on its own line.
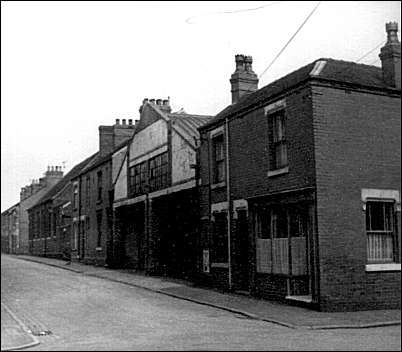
point(79, 244)
point(229, 200)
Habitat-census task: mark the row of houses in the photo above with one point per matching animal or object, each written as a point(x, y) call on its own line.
point(291, 193)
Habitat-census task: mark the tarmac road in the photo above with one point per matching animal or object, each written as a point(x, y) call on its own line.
point(77, 312)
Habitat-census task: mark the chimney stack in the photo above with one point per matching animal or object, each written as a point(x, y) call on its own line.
point(243, 80)
point(130, 122)
point(391, 57)
point(123, 122)
point(165, 105)
point(117, 122)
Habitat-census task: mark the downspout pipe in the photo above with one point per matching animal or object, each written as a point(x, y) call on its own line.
point(229, 200)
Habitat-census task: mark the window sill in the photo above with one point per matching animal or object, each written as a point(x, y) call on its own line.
point(218, 185)
point(220, 265)
point(277, 172)
point(383, 267)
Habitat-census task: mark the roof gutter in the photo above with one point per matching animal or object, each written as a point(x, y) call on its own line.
point(315, 79)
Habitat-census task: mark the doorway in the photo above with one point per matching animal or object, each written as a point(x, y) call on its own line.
point(241, 253)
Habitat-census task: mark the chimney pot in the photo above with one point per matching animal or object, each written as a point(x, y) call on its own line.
point(165, 102)
point(239, 62)
point(152, 101)
point(392, 30)
point(390, 56)
point(248, 61)
point(243, 80)
point(130, 122)
point(117, 121)
point(124, 121)
point(158, 101)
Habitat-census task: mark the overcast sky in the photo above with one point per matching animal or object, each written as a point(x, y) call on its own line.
point(68, 67)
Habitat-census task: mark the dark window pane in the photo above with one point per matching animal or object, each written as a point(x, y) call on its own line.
point(377, 216)
point(389, 209)
point(218, 159)
point(265, 224)
point(280, 223)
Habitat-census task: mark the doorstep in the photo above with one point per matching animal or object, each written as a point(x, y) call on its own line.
point(305, 299)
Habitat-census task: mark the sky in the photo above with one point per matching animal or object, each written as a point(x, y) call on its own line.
point(68, 67)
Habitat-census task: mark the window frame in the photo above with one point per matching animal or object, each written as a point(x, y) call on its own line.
point(158, 170)
point(277, 132)
point(218, 163)
point(99, 185)
point(274, 222)
point(75, 197)
point(88, 189)
point(393, 232)
point(138, 179)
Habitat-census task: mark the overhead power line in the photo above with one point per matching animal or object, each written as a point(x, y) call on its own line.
point(361, 58)
point(288, 42)
point(231, 12)
point(369, 52)
point(373, 62)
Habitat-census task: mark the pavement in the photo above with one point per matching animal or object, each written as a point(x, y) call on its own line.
point(286, 315)
point(14, 334)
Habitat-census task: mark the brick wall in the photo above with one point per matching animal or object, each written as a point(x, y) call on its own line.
point(249, 159)
point(91, 205)
point(357, 140)
point(249, 165)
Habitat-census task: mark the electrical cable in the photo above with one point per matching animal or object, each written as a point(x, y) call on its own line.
point(281, 51)
point(231, 12)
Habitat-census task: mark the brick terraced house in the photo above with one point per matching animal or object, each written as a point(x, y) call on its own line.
point(92, 208)
point(10, 229)
point(155, 194)
point(29, 195)
point(50, 215)
point(300, 185)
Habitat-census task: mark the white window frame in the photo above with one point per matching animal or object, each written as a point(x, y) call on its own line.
point(382, 195)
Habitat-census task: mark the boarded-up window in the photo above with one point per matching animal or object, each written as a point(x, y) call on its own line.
point(280, 229)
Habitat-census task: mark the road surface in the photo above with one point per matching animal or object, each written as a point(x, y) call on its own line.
point(78, 312)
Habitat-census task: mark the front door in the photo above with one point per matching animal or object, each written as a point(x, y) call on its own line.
point(241, 252)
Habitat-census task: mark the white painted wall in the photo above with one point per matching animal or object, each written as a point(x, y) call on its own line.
point(120, 189)
point(148, 139)
point(182, 157)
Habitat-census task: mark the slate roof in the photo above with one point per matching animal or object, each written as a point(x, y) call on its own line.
point(63, 182)
point(189, 122)
point(10, 208)
point(98, 159)
point(346, 72)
